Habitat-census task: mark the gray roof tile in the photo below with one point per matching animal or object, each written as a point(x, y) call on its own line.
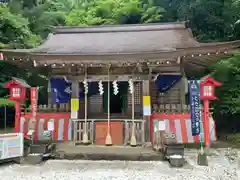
point(120, 39)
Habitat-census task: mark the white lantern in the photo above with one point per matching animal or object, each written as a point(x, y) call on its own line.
point(207, 91)
point(16, 92)
point(100, 87)
point(130, 84)
point(115, 87)
point(85, 84)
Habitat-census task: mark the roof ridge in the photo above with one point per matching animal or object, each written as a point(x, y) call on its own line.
point(120, 28)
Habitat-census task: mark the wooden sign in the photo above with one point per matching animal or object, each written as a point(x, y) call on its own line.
point(50, 126)
point(195, 106)
point(74, 104)
point(146, 105)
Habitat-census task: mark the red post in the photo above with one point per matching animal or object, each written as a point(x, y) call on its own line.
point(17, 89)
point(17, 116)
point(207, 93)
point(206, 123)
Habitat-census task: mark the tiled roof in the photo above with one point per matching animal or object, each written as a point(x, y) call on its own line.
point(118, 39)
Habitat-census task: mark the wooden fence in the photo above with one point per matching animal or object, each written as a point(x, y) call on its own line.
point(78, 130)
point(170, 108)
point(161, 108)
point(50, 108)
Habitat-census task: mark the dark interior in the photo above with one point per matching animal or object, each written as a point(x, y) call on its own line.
point(116, 102)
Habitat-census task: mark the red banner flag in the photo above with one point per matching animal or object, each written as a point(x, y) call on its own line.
point(34, 97)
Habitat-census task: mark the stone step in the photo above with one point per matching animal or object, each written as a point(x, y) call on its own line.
point(33, 159)
point(38, 149)
point(41, 148)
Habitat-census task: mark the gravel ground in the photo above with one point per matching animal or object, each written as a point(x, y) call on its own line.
point(223, 165)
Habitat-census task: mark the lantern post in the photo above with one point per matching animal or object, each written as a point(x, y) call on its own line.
point(17, 89)
point(207, 93)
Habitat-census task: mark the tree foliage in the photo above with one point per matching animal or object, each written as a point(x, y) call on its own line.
point(210, 20)
point(227, 106)
point(114, 12)
point(227, 72)
point(14, 30)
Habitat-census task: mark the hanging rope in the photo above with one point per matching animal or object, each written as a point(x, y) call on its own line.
point(85, 102)
point(108, 99)
point(133, 109)
point(133, 137)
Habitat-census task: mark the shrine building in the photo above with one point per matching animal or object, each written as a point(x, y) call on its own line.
point(107, 84)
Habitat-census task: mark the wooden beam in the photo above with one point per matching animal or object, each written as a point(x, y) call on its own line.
point(115, 70)
point(182, 88)
point(198, 64)
point(137, 77)
point(125, 77)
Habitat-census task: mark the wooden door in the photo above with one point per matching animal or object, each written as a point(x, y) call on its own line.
point(116, 129)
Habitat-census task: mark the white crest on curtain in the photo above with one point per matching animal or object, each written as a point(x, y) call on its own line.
point(68, 90)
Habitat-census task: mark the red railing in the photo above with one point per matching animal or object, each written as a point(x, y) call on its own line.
point(61, 121)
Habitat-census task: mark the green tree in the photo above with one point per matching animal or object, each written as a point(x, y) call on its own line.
point(14, 31)
point(227, 72)
point(41, 15)
point(227, 106)
point(113, 12)
point(210, 20)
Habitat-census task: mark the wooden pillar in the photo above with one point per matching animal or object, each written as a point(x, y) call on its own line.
point(74, 96)
point(146, 92)
point(17, 116)
point(49, 90)
point(81, 110)
point(182, 88)
point(74, 110)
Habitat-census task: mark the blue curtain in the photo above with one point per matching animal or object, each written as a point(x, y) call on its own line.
point(61, 90)
point(166, 82)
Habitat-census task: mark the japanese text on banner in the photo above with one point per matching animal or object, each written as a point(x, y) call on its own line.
point(195, 106)
point(34, 94)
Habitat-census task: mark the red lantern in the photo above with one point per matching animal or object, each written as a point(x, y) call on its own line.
point(207, 88)
point(17, 89)
point(17, 93)
point(207, 93)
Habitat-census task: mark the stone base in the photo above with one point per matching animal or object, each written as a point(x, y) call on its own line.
point(173, 149)
point(38, 148)
point(33, 159)
point(202, 159)
point(207, 151)
point(176, 162)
